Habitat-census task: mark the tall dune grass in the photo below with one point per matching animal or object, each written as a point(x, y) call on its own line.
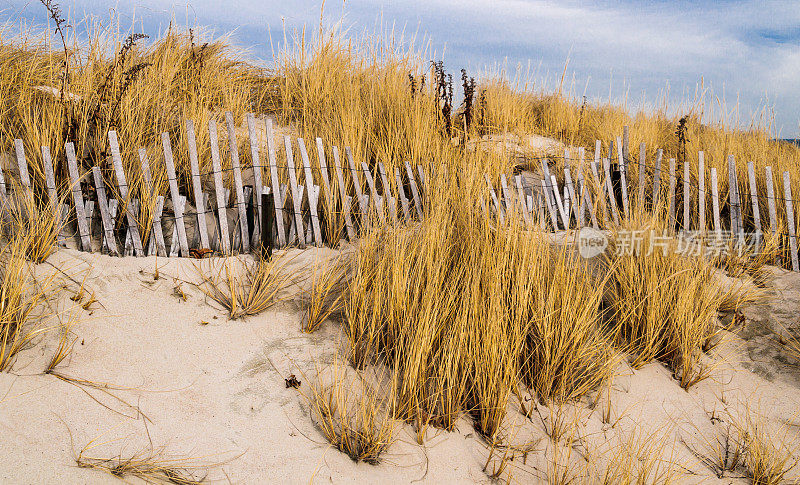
point(464, 313)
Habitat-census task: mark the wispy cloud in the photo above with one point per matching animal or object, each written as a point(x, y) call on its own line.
point(748, 49)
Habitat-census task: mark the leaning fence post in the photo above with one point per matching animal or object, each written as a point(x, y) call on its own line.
point(122, 183)
point(787, 194)
point(391, 203)
point(313, 202)
point(77, 197)
point(158, 231)
point(24, 178)
point(105, 215)
point(401, 194)
point(348, 219)
point(267, 215)
point(177, 206)
point(414, 192)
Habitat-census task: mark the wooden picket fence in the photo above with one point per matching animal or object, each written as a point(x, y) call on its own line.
point(569, 205)
point(296, 217)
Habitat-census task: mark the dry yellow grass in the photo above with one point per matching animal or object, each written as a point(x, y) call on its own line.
point(325, 298)
point(464, 312)
point(663, 303)
point(244, 288)
point(351, 415)
point(22, 302)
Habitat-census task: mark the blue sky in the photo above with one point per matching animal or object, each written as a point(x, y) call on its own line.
point(747, 52)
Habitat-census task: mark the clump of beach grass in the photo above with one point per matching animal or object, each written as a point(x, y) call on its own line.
point(244, 288)
point(22, 302)
point(351, 414)
point(325, 297)
point(663, 304)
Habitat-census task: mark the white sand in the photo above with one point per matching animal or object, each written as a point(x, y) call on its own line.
point(213, 394)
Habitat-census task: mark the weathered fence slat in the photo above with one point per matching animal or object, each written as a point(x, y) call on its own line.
point(671, 199)
point(312, 197)
point(52, 194)
point(323, 170)
point(296, 195)
point(151, 247)
point(423, 182)
point(549, 192)
point(751, 179)
point(522, 202)
point(701, 192)
point(391, 202)
point(129, 250)
point(293, 232)
point(348, 219)
point(356, 183)
point(197, 186)
point(790, 222)
point(105, 215)
point(158, 232)
point(49, 179)
point(373, 192)
point(24, 177)
point(610, 190)
point(113, 205)
point(715, 202)
point(507, 198)
point(122, 183)
point(559, 204)
point(575, 204)
point(686, 198)
point(90, 216)
point(77, 197)
point(642, 173)
point(414, 191)
point(601, 198)
point(495, 201)
point(257, 183)
point(278, 196)
point(733, 198)
point(657, 178)
point(401, 194)
point(623, 179)
point(237, 181)
point(587, 197)
point(177, 207)
point(773, 212)
point(219, 190)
